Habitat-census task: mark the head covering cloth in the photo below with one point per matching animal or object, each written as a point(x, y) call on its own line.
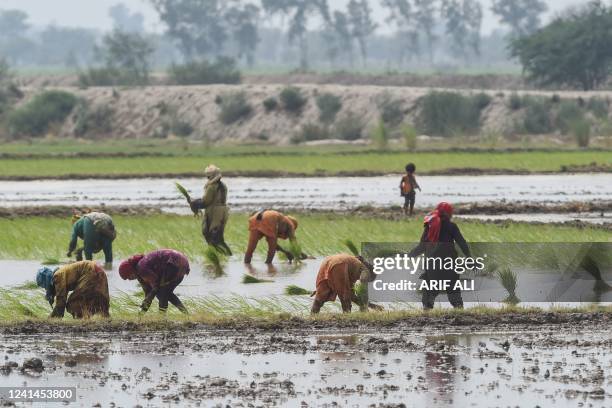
point(434, 220)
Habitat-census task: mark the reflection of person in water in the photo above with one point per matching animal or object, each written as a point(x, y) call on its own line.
point(440, 368)
point(593, 262)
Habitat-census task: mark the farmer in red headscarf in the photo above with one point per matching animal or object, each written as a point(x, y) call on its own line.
point(438, 241)
point(159, 273)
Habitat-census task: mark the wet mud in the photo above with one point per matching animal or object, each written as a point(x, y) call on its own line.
point(313, 366)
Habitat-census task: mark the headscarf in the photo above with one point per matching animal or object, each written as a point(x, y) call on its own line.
point(44, 279)
point(128, 269)
point(292, 221)
point(213, 173)
point(434, 221)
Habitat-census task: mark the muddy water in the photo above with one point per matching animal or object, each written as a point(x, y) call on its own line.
point(547, 367)
point(532, 286)
point(313, 192)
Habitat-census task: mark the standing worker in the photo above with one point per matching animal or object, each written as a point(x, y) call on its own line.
point(88, 284)
point(274, 226)
point(97, 231)
point(408, 186)
point(216, 213)
point(159, 273)
point(337, 277)
point(438, 241)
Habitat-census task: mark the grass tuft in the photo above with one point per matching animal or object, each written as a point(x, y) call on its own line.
point(293, 290)
point(251, 279)
point(508, 279)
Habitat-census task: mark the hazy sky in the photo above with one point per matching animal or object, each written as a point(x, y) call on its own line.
point(94, 13)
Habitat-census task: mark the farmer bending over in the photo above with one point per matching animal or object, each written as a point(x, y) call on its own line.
point(97, 231)
point(159, 273)
point(87, 282)
point(274, 226)
point(214, 204)
point(337, 277)
point(437, 241)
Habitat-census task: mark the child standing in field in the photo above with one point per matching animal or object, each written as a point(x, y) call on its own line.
point(408, 186)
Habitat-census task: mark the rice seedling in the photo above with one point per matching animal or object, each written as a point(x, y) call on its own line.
point(295, 250)
point(508, 279)
point(293, 290)
point(51, 261)
point(252, 279)
point(183, 191)
point(351, 246)
point(214, 259)
point(361, 291)
point(28, 285)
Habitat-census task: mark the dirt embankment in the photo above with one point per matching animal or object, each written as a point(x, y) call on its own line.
point(151, 111)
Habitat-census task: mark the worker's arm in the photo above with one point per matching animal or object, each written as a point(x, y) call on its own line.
point(416, 185)
point(458, 237)
point(420, 248)
point(61, 293)
point(74, 238)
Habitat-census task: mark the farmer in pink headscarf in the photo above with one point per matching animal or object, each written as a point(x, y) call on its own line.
point(159, 273)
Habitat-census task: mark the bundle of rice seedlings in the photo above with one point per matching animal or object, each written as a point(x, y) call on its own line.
point(251, 279)
point(293, 290)
point(295, 250)
point(183, 191)
point(361, 290)
point(508, 279)
point(351, 246)
point(28, 285)
point(51, 261)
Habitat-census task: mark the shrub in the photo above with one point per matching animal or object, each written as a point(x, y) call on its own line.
point(581, 130)
point(349, 127)
point(410, 136)
point(310, 132)
point(329, 105)
point(234, 106)
point(35, 117)
point(447, 113)
point(270, 104)
point(292, 99)
point(515, 102)
point(481, 100)
point(390, 109)
point(568, 112)
point(380, 135)
point(90, 121)
point(222, 71)
point(599, 107)
point(537, 115)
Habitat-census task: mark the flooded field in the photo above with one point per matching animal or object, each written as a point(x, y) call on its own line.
point(312, 192)
point(308, 368)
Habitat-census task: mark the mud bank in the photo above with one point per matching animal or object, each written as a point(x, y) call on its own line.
point(490, 319)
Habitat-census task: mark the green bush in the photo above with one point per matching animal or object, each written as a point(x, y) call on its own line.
point(310, 132)
point(537, 115)
point(234, 106)
point(90, 121)
point(390, 109)
point(581, 130)
point(35, 117)
point(599, 107)
point(410, 137)
point(568, 112)
point(349, 127)
point(222, 71)
point(292, 99)
point(270, 104)
point(329, 105)
point(449, 113)
point(515, 102)
point(380, 135)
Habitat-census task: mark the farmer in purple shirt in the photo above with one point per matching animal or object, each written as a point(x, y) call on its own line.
point(159, 273)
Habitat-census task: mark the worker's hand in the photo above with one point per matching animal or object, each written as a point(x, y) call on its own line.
point(108, 266)
point(420, 189)
point(290, 257)
point(69, 254)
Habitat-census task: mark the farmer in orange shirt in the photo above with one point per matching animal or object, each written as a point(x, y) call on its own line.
point(274, 226)
point(337, 277)
point(408, 186)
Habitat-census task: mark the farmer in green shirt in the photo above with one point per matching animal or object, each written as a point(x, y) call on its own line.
point(214, 204)
point(97, 231)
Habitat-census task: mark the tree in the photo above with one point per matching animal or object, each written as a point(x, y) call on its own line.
point(463, 23)
point(243, 19)
point(425, 16)
point(575, 49)
point(13, 41)
point(362, 25)
point(298, 11)
point(523, 16)
point(198, 25)
point(125, 20)
point(402, 16)
point(60, 45)
point(338, 38)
